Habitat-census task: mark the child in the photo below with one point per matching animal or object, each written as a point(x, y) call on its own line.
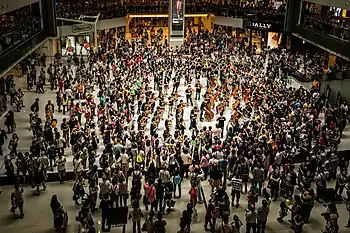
point(208, 216)
point(283, 212)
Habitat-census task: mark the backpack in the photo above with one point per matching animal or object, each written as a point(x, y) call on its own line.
point(139, 158)
point(177, 179)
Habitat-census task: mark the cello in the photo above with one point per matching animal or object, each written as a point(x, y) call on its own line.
point(209, 113)
point(221, 107)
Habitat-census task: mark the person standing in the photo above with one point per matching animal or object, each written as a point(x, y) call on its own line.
point(10, 121)
point(204, 162)
point(188, 92)
point(236, 184)
point(136, 215)
point(61, 167)
point(250, 217)
point(274, 183)
point(308, 198)
point(124, 159)
point(223, 165)
point(258, 176)
point(66, 131)
point(341, 179)
point(159, 224)
point(321, 184)
point(348, 209)
point(17, 200)
point(263, 212)
point(105, 212)
point(221, 123)
point(198, 90)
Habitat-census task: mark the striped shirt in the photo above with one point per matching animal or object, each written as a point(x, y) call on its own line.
point(236, 184)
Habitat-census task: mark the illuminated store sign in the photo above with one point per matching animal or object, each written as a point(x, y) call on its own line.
point(261, 25)
point(83, 28)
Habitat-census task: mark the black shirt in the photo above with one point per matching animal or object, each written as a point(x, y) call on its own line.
point(221, 121)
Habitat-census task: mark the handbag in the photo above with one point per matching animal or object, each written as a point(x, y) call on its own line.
point(145, 197)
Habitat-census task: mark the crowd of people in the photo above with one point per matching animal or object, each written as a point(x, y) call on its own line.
point(330, 23)
point(211, 110)
point(306, 63)
point(17, 26)
point(110, 9)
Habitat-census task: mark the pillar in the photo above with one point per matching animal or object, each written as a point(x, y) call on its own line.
point(127, 28)
point(292, 15)
point(48, 15)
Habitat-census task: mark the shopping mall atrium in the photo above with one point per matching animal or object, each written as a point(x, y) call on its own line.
point(166, 116)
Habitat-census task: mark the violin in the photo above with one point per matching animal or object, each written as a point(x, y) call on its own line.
point(235, 104)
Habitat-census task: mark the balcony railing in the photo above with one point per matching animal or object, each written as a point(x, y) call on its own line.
point(113, 11)
point(336, 27)
point(12, 55)
point(325, 41)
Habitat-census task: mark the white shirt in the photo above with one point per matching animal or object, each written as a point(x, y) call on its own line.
point(164, 176)
point(128, 144)
point(186, 158)
point(213, 160)
point(105, 187)
point(68, 92)
point(78, 167)
point(61, 164)
point(124, 158)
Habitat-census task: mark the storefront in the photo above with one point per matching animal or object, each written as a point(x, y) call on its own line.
point(261, 34)
point(78, 39)
point(79, 45)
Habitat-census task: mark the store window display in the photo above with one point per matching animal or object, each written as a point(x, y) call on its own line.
point(79, 45)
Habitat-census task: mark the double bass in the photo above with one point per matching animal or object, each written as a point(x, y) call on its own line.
point(209, 113)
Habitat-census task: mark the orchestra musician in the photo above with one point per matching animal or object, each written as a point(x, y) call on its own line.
point(198, 90)
point(180, 112)
point(188, 92)
point(193, 120)
point(221, 123)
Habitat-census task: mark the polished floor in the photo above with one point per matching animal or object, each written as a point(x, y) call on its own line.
point(38, 216)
